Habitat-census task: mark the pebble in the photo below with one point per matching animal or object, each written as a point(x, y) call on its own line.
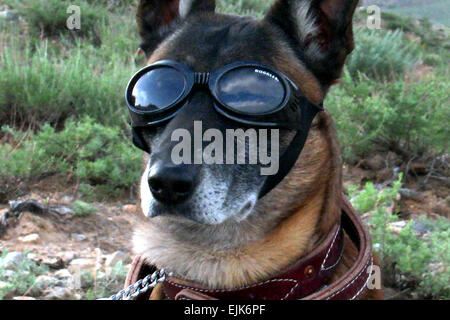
point(81, 264)
point(67, 199)
point(63, 274)
point(64, 211)
point(54, 262)
point(24, 298)
point(79, 237)
point(58, 293)
point(44, 282)
point(31, 238)
point(397, 226)
point(129, 208)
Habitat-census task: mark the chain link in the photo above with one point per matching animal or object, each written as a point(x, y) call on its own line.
point(140, 287)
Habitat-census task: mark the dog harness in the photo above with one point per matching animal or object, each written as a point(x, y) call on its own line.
point(307, 279)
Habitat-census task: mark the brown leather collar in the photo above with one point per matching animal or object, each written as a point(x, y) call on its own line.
point(306, 279)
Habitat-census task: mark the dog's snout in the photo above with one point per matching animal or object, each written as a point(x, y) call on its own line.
point(171, 184)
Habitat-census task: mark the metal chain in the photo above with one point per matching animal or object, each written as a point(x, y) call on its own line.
point(140, 287)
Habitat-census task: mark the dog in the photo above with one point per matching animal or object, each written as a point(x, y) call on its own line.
point(222, 235)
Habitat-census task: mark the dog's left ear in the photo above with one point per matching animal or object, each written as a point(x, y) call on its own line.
point(320, 32)
point(157, 18)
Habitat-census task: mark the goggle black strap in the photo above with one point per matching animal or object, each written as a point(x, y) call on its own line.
point(287, 161)
point(138, 141)
point(291, 154)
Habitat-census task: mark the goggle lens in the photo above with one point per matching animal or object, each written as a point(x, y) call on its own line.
point(158, 89)
point(250, 90)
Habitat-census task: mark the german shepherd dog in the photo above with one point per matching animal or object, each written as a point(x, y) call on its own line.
point(220, 234)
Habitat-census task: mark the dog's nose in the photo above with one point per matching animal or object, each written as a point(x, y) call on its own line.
point(171, 184)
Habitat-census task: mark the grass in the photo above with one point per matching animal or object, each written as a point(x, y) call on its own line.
point(22, 280)
point(382, 55)
point(410, 260)
point(103, 284)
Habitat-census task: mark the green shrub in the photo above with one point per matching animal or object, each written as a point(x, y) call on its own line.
point(83, 209)
point(381, 55)
point(433, 60)
point(407, 258)
point(23, 278)
point(47, 18)
point(402, 114)
point(91, 153)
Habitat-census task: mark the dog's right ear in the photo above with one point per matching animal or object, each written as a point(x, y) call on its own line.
point(319, 30)
point(157, 18)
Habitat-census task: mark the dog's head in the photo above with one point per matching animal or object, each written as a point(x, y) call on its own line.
point(307, 40)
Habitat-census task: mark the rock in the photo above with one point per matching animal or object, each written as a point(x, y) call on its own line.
point(43, 282)
point(397, 226)
point(13, 260)
point(79, 237)
point(81, 264)
point(67, 256)
point(24, 298)
point(131, 208)
point(116, 257)
point(63, 274)
point(58, 293)
point(33, 256)
point(67, 199)
point(31, 238)
point(410, 194)
point(64, 211)
point(54, 262)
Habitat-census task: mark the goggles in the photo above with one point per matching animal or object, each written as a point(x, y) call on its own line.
point(246, 92)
